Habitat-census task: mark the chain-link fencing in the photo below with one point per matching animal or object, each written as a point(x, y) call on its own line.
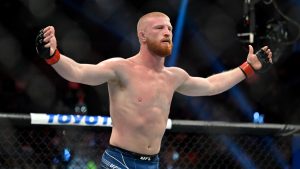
point(74, 147)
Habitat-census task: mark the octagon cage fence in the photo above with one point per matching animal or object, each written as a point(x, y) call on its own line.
point(61, 141)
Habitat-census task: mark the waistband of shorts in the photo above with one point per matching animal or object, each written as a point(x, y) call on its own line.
point(138, 156)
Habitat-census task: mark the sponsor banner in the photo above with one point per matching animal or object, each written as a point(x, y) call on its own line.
point(75, 120)
point(70, 119)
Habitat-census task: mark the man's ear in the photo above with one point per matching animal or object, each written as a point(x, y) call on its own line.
point(142, 36)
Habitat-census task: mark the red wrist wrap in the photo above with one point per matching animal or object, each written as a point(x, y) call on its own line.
point(54, 59)
point(247, 69)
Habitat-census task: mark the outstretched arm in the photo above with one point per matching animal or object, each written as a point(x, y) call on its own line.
point(215, 84)
point(218, 83)
point(86, 73)
point(70, 70)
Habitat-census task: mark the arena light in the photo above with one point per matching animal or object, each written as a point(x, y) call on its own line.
point(258, 118)
point(178, 32)
point(66, 155)
point(63, 158)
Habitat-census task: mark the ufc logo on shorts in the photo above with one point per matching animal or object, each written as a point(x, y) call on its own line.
point(145, 158)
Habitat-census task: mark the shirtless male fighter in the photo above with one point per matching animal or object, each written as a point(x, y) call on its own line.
point(141, 88)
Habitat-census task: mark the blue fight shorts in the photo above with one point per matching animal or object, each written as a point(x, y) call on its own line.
point(118, 158)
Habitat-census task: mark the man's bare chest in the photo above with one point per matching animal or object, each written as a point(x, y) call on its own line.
point(149, 86)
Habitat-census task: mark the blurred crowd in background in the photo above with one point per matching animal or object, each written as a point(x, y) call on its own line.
point(90, 31)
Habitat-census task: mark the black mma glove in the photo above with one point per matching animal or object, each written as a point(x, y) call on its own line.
point(43, 51)
point(249, 71)
point(264, 60)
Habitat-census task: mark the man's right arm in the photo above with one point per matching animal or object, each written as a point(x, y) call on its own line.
point(69, 69)
point(86, 73)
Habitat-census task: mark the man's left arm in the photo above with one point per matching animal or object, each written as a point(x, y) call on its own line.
point(218, 83)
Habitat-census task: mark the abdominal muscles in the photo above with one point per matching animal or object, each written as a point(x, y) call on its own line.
point(139, 123)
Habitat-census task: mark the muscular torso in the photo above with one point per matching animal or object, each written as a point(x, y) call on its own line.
point(140, 101)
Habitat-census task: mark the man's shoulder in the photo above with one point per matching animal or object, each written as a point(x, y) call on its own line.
point(176, 70)
point(116, 61)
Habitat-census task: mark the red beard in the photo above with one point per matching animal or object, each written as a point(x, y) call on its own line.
point(159, 48)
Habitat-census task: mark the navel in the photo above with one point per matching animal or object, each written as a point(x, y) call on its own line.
point(140, 99)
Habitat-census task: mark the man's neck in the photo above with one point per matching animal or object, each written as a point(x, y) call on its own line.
point(150, 60)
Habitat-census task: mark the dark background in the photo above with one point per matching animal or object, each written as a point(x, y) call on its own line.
point(90, 31)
